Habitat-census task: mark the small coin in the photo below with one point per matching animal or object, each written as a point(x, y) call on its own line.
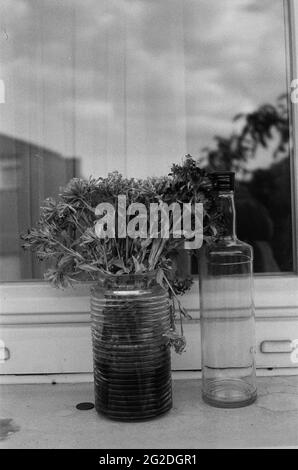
point(85, 406)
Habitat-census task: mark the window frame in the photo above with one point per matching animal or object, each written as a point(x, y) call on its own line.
point(33, 303)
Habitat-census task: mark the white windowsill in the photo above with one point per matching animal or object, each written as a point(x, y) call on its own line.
point(275, 296)
point(47, 418)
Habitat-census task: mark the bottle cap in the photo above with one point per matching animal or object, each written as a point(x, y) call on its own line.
point(223, 180)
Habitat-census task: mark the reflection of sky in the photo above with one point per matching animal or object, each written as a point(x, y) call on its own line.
point(135, 84)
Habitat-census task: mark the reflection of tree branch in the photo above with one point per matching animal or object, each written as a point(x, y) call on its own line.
point(231, 153)
point(265, 199)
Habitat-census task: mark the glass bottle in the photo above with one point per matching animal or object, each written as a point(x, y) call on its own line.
point(227, 309)
point(130, 319)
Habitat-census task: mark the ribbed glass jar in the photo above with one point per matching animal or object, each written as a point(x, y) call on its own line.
point(132, 363)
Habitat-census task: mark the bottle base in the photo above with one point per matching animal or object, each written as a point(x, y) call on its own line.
point(229, 393)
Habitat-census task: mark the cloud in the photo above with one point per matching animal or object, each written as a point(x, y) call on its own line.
point(151, 79)
point(89, 108)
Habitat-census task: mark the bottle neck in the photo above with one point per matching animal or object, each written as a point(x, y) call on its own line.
point(226, 207)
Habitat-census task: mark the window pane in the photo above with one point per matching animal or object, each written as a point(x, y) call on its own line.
point(133, 85)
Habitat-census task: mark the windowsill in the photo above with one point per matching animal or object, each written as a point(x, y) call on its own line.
point(47, 418)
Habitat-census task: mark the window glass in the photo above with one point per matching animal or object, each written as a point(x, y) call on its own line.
point(133, 85)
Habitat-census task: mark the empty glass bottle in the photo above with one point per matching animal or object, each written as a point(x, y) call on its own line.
point(227, 309)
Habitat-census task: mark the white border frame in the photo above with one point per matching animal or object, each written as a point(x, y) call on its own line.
point(36, 304)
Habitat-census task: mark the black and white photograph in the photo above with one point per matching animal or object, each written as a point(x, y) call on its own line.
point(149, 228)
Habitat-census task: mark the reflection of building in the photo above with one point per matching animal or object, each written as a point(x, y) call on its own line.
point(28, 174)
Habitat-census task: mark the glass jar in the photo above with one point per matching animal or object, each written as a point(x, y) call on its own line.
point(132, 361)
point(227, 309)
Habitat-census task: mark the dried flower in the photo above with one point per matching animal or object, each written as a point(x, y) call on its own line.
point(65, 233)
